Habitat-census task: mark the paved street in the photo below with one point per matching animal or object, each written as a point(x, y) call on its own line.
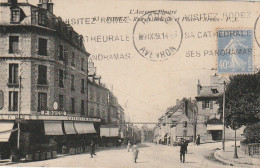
point(150, 156)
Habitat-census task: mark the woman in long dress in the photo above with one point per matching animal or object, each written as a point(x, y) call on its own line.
point(128, 146)
point(135, 151)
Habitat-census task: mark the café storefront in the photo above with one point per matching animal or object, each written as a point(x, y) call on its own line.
point(48, 130)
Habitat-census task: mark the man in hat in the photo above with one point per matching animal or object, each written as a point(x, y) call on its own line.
point(182, 151)
point(92, 146)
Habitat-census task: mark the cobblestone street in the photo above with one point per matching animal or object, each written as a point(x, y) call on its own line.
point(150, 155)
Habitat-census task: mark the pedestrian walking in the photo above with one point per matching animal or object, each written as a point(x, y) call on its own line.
point(135, 151)
point(92, 146)
point(182, 151)
point(186, 142)
point(128, 146)
point(198, 140)
point(119, 142)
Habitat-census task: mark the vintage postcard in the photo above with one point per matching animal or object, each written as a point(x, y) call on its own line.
point(125, 84)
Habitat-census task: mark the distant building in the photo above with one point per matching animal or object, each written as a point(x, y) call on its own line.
point(177, 123)
point(147, 134)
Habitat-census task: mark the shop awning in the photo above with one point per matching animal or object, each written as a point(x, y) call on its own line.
point(108, 131)
point(113, 132)
point(6, 128)
point(84, 127)
point(53, 128)
point(104, 132)
point(69, 127)
point(212, 127)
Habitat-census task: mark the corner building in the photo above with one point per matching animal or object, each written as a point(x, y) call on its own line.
point(44, 77)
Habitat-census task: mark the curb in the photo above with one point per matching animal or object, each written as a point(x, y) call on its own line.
point(231, 162)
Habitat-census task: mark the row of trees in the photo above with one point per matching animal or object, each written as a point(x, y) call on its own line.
point(242, 105)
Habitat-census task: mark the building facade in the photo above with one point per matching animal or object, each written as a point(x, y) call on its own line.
point(103, 104)
point(208, 122)
point(44, 77)
point(176, 123)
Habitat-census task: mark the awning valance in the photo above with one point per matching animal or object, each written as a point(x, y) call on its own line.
point(212, 127)
point(108, 131)
point(84, 127)
point(6, 128)
point(53, 128)
point(69, 127)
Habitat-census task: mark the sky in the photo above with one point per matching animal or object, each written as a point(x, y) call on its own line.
point(146, 88)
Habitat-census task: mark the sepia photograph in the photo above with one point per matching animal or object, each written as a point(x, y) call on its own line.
point(129, 83)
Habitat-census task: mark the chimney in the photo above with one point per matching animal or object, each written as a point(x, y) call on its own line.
point(214, 80)
point(198, 88)
point(177, 102)
point(13, 2)
point(46, 4)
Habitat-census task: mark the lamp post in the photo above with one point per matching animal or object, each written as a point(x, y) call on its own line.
point(223, 120)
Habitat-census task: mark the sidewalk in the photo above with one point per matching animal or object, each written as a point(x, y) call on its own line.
point(5, 162)
point(242, 160)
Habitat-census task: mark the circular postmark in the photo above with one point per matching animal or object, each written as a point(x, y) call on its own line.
point(257, 31)
point(157, 36)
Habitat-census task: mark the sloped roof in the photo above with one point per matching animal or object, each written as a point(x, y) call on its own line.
point(209, 91)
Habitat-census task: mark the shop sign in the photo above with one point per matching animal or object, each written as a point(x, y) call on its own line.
point(46, 117)
point(53, 113)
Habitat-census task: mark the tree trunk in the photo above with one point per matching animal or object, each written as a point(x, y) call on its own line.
point(235, 152)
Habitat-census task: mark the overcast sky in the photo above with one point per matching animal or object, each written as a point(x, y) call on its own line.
point(149, 87)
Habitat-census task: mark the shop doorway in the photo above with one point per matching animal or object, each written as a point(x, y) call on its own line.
point(216, 135)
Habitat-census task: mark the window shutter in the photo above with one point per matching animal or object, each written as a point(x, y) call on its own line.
point(203, 104)
point(1, 99)
point(211, 104)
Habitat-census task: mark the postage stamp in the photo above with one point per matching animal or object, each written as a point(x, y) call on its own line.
point(235, 51)
point(157, 36)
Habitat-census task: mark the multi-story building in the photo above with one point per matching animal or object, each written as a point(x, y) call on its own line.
point(209, 124)
point(43, 75)
point(103, 104)
point(176, 123)
point(98, 98)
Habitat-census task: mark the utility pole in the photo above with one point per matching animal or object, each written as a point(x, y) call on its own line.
point(19, 111)
point(223, 120)
point(195, 117)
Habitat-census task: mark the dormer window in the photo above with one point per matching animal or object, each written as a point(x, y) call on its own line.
point(15, 15)
point(41, 18)
point(214, 91)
